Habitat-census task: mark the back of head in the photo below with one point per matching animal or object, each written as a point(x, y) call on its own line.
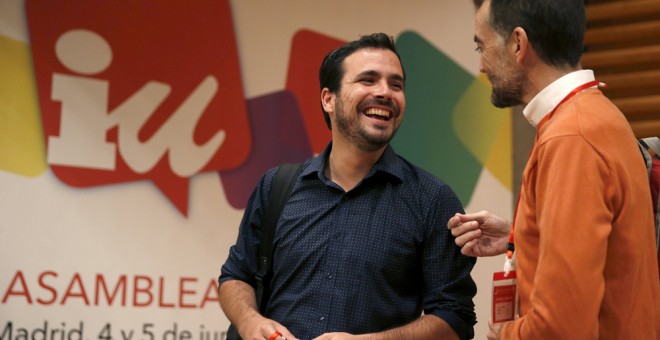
point(555, 28)
point(331, 71)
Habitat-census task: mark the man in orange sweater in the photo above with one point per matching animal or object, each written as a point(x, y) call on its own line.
point(583, 229)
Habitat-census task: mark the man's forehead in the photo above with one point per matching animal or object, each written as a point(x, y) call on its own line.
point(481, 16)
point(371, 60)
point(367, 53)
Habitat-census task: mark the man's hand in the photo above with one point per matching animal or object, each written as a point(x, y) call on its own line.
point(494, 330)
point(480, 234)
point(428, 327)
point(337, 336)
point(259, 327)
point(239, 303)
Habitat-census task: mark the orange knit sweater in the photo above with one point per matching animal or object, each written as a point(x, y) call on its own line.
point(585, 247)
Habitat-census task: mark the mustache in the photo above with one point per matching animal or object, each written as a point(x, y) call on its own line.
point(390, 104)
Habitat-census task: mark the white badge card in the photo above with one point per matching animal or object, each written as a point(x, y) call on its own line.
point(504, 297)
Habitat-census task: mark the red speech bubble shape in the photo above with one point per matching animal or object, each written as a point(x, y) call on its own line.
point(134, 90)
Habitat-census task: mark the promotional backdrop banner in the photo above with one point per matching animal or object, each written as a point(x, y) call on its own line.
point(133, 132)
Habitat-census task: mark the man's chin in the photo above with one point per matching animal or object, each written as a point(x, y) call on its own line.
point(504, 102)
point(499, 105)
point(373, 143)
point(377, 143)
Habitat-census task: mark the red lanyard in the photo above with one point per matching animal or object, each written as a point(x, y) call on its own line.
point(510, 248)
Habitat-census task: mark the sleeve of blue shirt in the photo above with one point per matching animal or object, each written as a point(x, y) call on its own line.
point(449, 286)
point(241, 263)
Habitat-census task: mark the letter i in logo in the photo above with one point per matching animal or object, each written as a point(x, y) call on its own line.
point(84, 101)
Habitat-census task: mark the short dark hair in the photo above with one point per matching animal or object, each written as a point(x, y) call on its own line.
point(555, 28)
point(332, 70)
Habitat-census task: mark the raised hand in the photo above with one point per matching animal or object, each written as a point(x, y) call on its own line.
point(480, 234)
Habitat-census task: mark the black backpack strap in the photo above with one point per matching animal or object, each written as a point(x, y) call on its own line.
point(280, 190)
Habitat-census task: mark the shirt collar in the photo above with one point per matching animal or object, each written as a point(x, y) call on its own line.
point(546, 100)
point(389, 163)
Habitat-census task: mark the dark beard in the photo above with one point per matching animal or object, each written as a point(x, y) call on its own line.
point(509, 93)
point(372, 143)
point(361, 138)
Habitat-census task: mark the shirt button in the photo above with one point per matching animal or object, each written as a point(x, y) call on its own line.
point(322, 318)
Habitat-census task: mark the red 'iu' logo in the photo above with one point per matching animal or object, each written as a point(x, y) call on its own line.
point(134, 90)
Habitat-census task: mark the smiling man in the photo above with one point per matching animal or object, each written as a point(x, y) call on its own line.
point(361, 249)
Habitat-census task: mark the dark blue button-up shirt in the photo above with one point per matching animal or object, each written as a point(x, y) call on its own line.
point(361, 261)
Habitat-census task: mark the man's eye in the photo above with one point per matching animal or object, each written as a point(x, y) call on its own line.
point(478, 49)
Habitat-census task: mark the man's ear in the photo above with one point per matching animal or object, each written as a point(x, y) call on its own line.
point(519, 44)
point(328, 100)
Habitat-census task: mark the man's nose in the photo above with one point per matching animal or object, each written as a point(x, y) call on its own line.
point(383, 90)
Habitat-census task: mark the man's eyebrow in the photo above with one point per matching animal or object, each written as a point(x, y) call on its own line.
point(476, 39)
point(373, 73)
point(370, 73)
point(398, 77)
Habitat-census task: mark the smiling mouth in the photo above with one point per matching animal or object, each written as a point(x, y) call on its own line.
point(377, 113)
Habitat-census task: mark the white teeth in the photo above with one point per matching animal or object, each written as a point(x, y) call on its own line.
point(377, 112)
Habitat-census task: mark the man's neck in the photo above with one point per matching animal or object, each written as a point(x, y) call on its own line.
point(541, 77)
point(348, 165)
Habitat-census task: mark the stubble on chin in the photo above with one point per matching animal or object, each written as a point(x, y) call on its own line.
point(508, 94)
point(360, 134)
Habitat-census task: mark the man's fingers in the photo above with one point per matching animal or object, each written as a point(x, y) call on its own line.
point(463, 228)
point(477, 216)
point(454, 221)
point(467, 248)
point(285, 333)
point(467, 236)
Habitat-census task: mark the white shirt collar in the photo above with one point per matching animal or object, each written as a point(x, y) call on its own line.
point(546, 100)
